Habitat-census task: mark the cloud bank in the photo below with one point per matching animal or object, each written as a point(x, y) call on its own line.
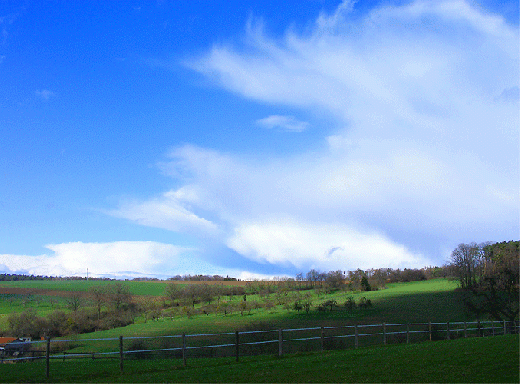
point(425, 153)
point(120, 259)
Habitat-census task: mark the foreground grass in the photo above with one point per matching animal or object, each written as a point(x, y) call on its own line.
point(483, 360)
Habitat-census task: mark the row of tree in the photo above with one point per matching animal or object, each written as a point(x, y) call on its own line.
point(365, 280)
point(189, 277)
point(18, 277)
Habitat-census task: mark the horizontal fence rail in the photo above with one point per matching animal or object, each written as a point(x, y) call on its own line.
point(252, 342)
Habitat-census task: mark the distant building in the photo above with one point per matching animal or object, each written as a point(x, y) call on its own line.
point(5, 340)
point(12, 346)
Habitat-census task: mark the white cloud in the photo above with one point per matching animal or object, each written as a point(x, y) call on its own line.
point(114, 259)
point(319, 245)
point(285, 123)
point(165, 212)
point(425, 96)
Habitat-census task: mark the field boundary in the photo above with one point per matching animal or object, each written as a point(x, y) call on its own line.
point(255, 342)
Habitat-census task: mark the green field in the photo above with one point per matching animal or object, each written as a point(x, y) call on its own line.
point(42, 304)
point(151, 288)
point(476, 360)
point(431, 300)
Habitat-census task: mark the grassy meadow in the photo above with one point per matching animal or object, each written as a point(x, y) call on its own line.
point(430, 300)
point(475, 360)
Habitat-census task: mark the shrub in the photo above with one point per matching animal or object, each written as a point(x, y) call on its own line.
point(140, 346)
point(364, 302)
point(350, 303)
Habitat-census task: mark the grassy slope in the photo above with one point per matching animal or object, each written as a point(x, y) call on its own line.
point(433, 300)
point(483, 360)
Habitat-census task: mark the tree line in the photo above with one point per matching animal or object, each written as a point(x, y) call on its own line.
point(489, 275)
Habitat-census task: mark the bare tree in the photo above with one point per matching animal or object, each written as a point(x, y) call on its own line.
point(192, 294)
point(74, 301)
point(334, 280)
point(98, 295)
point(119, 296)
point(468, 262)
point(173, 292)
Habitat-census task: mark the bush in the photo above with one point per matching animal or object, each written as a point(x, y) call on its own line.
point(364, 302)
point(26, 323)
point(350, 303)
point(140, 346)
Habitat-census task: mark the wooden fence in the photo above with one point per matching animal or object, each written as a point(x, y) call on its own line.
point(254, 342)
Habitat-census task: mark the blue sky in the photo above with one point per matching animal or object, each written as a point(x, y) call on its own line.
point(252, 138)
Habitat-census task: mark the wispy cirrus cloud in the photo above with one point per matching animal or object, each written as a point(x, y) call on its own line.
point(425, 154)
point(284, 123)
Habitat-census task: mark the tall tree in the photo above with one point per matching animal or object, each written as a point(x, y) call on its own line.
point(497, 291)
point(98, 295)
point(119, 296)
point(467, 260)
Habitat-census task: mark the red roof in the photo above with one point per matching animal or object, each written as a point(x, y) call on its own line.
point(5, 340)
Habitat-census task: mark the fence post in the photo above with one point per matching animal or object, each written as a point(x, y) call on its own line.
point(430, 329)
point(237, 341)
point(478, 327)
point(384, 333)
point(465, 329)
point(184, 349)
point(356, 336)
point(493, 327)
point(505, 327)
point(448, 330)
point(407, 333)
point(121, 354)
point(280, 342)
point(322, 338)
point(47, 357)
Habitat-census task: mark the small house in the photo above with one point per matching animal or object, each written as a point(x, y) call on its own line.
point(16, 346)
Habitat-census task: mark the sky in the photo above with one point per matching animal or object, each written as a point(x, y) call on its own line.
point(254, 139)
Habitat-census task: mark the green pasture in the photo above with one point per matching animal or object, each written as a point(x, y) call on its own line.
point(431, 300)
point(157, 288)
point(151, 288)
point(42, 304)
point(472, 360)
point(17, 303)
